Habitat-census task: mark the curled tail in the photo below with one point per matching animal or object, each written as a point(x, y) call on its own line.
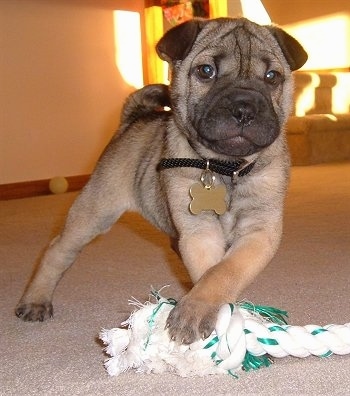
point(151, 99)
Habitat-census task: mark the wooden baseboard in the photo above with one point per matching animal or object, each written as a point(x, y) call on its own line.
point(38, 187)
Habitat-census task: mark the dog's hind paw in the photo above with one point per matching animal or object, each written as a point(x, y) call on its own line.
point(32, 312)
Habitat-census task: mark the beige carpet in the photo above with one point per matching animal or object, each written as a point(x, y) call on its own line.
point(309, 277)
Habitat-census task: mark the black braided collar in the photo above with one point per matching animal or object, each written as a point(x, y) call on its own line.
point(236, 168)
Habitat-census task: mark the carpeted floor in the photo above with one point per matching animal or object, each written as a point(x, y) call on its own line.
point(309, 277)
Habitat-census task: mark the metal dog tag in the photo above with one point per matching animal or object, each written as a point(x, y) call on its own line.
point(206, 196)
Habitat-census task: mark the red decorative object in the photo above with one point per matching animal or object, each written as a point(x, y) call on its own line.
point(178, 11)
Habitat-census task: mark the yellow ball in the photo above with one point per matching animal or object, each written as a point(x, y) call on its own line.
point(58, 185)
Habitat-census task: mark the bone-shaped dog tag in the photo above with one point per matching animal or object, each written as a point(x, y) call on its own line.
point(208, 198)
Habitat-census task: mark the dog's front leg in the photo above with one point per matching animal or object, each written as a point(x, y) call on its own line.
point(200, 250)
point(195, 315)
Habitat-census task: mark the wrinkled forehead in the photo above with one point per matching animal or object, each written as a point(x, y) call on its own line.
point(242, 45)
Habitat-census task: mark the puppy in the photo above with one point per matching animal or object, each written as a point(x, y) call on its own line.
point(211, 173)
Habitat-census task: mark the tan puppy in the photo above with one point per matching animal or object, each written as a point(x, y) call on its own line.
point(212, 172)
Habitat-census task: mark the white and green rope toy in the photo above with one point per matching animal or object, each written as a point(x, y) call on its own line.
point(246, 337)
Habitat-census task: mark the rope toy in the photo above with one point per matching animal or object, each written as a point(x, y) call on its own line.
point(246, 337)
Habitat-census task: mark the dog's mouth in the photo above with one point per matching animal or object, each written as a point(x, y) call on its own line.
point(229, 138)
point(238, 145)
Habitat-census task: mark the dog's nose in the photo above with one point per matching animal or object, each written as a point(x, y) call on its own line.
point(243, 112)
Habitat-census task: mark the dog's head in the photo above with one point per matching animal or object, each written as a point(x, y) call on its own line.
point(231, 89)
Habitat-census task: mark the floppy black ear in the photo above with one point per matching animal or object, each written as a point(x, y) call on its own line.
point(177, 42)
point(293, 51)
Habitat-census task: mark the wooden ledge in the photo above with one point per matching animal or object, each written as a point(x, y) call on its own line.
point(38, 187)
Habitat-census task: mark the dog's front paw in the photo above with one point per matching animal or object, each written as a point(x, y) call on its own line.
point(31, 312)
point(191, 320)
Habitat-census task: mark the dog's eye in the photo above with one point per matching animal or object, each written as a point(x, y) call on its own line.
point(205, 72)
point(273, 77)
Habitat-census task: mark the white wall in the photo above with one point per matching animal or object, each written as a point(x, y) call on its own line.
point(60, 91)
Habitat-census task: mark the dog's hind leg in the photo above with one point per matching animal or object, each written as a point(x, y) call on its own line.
point(93, 213)
point(108, 194)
